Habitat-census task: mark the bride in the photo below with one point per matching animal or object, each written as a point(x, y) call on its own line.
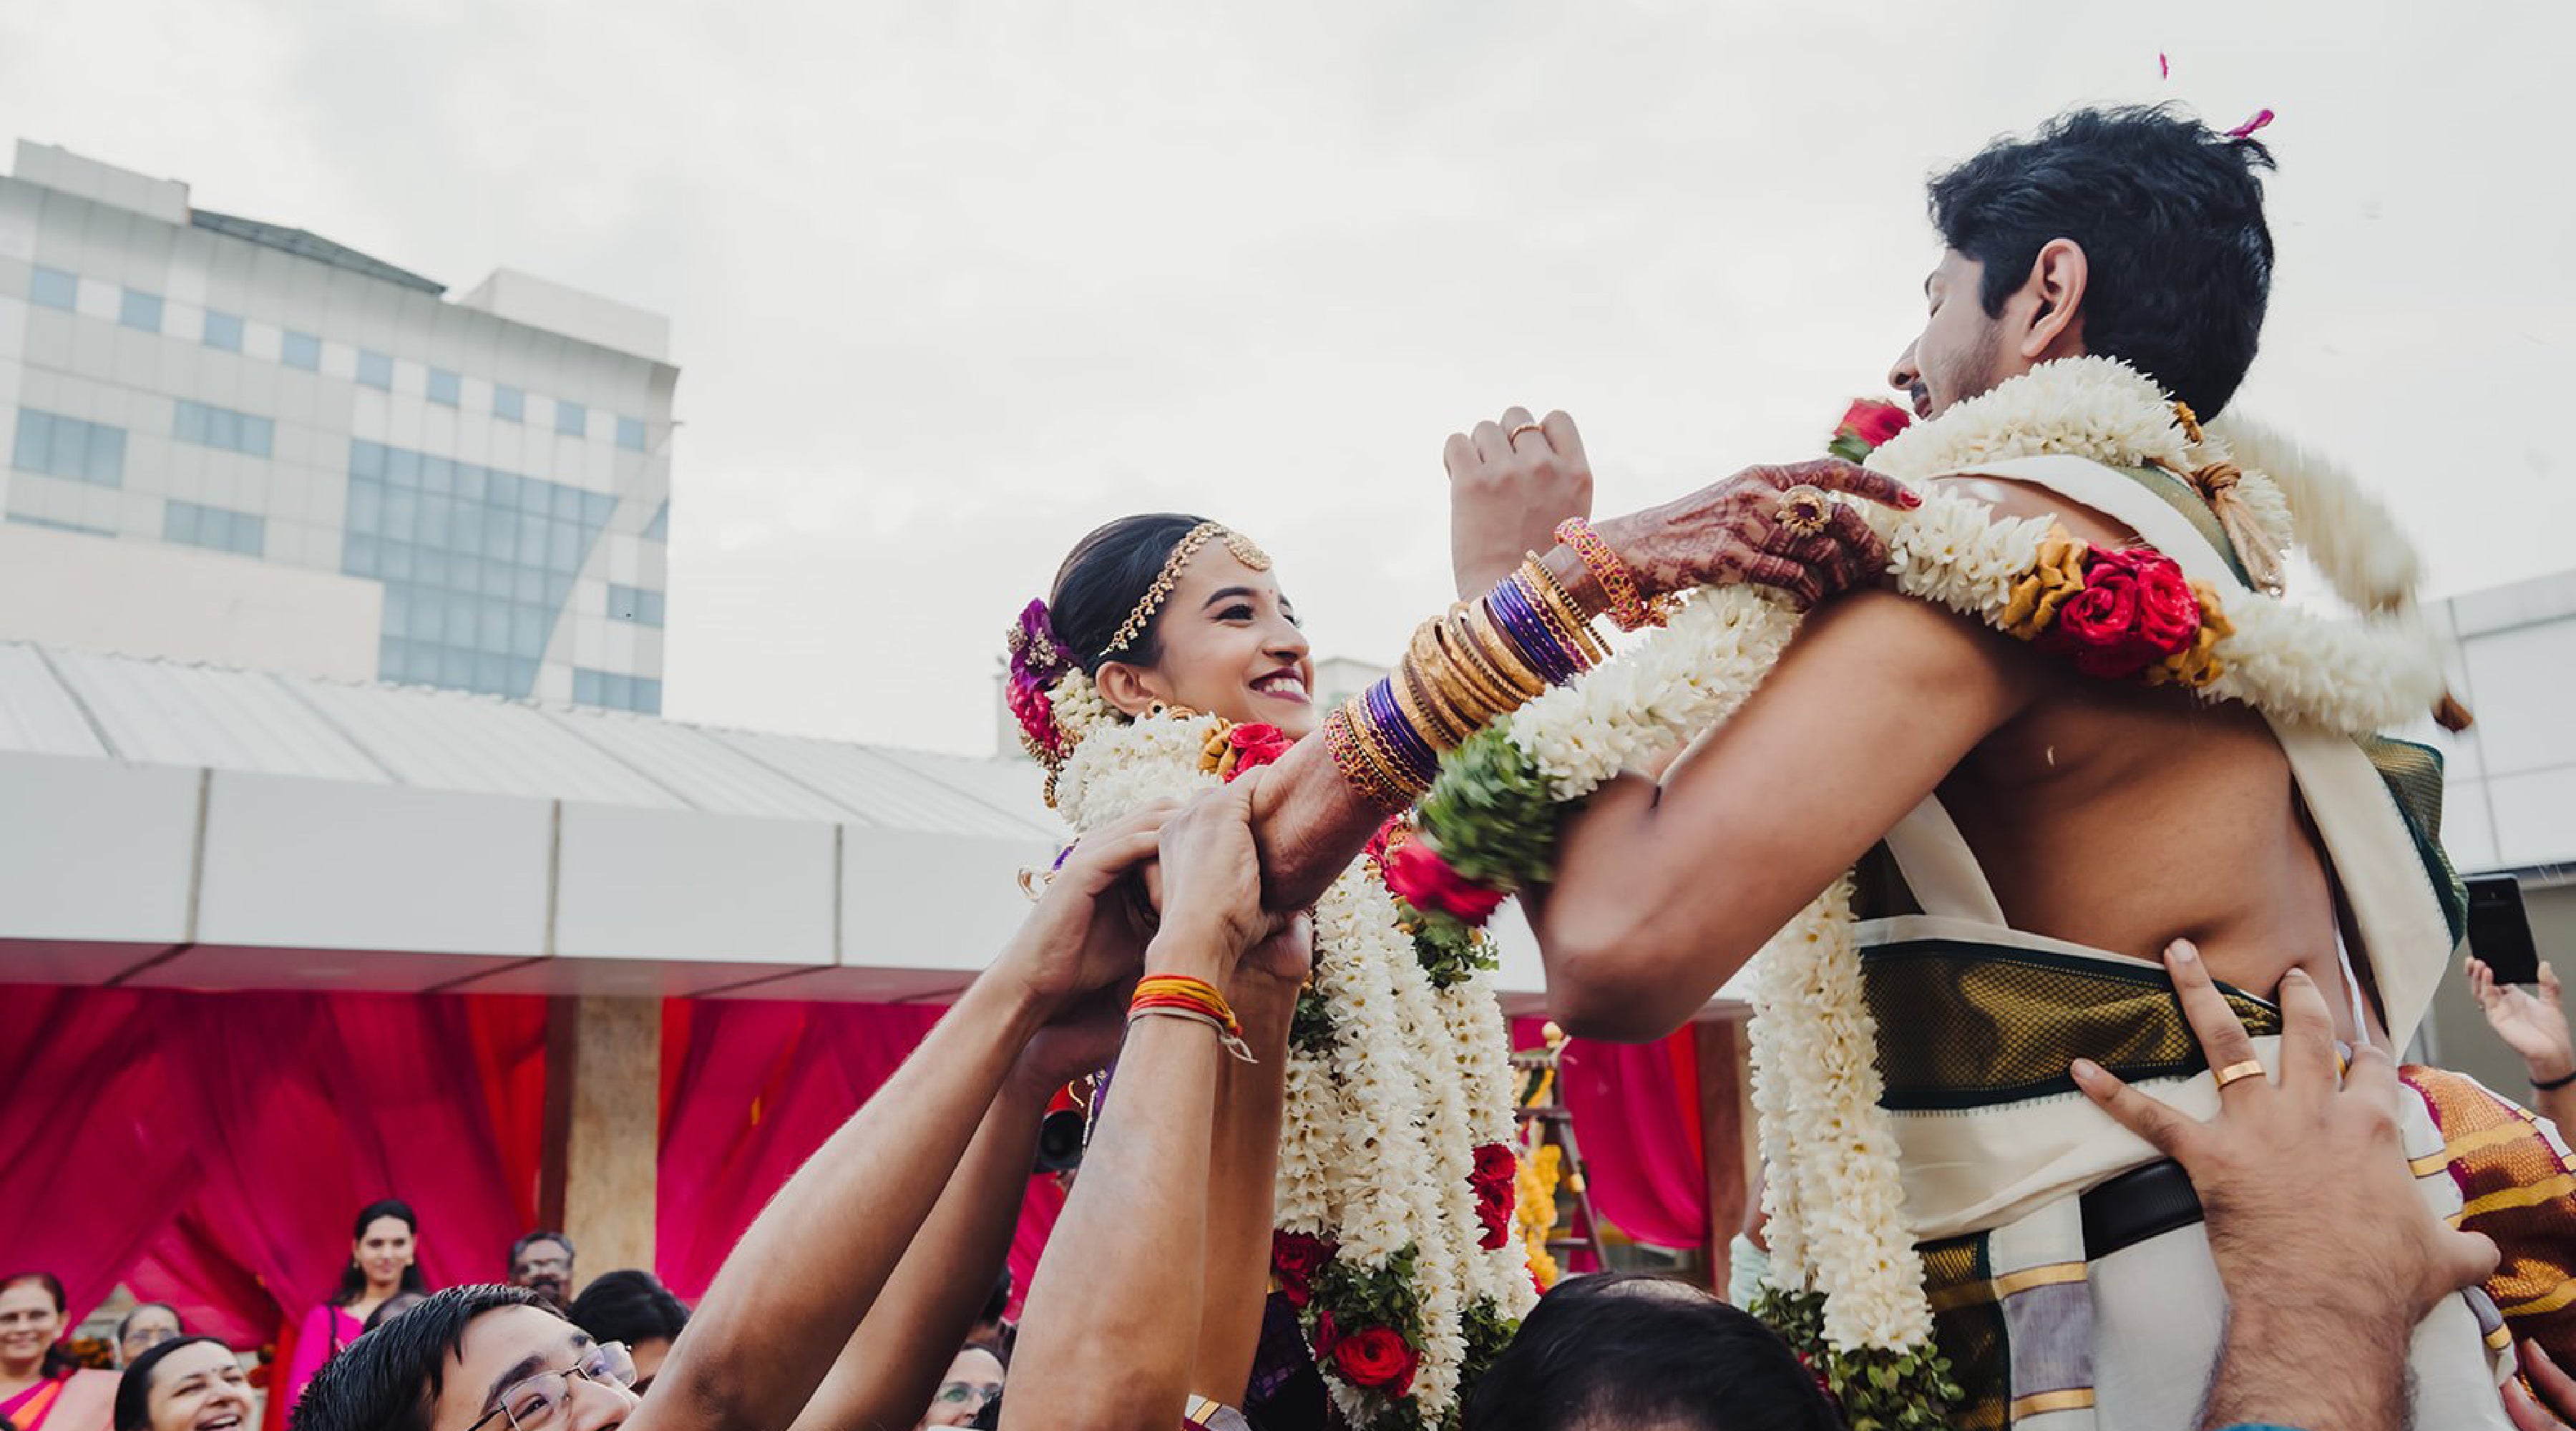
point(1365, 1135)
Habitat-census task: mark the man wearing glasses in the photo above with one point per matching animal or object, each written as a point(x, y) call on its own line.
point(474, 1359)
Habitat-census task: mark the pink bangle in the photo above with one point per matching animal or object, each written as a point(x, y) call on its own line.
point(1628, 607)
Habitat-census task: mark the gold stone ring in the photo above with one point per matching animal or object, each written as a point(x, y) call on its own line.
point(2236, 1071)
point(1803, 511)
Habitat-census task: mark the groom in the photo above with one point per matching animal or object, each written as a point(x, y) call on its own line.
point(2025, 834)
point(2029, 839)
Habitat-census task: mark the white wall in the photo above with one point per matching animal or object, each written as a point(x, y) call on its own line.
point(149, 599)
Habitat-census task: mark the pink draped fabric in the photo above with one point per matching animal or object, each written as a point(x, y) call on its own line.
point(211, 1148)
point(1636, 1114)
point(93, 1150)
point(758, 1087)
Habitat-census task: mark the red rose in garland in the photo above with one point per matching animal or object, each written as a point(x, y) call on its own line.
point(1419, 877)
point(2135, 610)
point(1375, 1358)
point(1327, 1336)
point(2168, 609)
point(1255, 745)
point(1497, 1188)
point(1295, 1258)
point(1867, 425)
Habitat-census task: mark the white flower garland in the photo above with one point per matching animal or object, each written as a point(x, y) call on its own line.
point(1379, 1135)
point(1835, 1195)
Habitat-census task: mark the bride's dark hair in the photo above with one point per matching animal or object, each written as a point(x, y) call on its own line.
point(1102, 580)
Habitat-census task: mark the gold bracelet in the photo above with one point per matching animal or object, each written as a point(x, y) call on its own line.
point(1561, 614)
point(1350, 756)
point(1510, 688)
point(1436, 725)
point(1436, 689)
point(1471, 685)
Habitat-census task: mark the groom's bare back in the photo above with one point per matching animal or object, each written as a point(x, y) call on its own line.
point(2123, 818)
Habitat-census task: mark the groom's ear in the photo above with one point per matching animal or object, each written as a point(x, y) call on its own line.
point(2051, 303)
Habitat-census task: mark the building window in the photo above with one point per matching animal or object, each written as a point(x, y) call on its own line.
point(224, 531)
point(68, 447)
point(29, 519)
point(222, 428)
point(659, 529)
point(375, 370)
point(444, 389)
point(616, 691)
point(571, 418)
point(477, 564)
point(301, 350)
point(630, 433)
point(509, 404)
point(53, 288)
point(224, 331)
point(629, 603)
point(140, 310)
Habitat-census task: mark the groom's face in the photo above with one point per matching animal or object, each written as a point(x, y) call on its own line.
point(1960, 352)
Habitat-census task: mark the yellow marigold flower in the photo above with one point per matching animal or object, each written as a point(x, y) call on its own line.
point(2052, 582)
point(2197, 665)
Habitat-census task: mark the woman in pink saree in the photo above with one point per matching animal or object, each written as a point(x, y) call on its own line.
point(384, 1251)
point(41, 1387)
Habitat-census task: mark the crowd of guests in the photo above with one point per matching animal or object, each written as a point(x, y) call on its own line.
point(867, 1294)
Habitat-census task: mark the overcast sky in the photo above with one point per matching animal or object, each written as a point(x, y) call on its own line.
point(953, 282)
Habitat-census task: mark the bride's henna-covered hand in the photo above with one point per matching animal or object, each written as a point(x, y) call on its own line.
point(1730, 533)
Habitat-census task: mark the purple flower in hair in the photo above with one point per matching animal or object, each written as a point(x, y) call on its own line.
point(1038, 661)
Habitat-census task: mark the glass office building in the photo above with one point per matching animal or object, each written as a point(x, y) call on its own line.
point(496, 466)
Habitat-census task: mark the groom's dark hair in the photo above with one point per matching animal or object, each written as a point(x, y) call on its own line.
point(2169, 214)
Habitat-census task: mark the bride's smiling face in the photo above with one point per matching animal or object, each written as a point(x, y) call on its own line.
point(1226, 642)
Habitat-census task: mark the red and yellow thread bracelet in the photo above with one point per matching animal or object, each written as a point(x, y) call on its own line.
point(1178, 996)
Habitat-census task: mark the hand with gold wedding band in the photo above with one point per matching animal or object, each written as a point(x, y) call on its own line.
point(2302, 1178)
point(1510, 482)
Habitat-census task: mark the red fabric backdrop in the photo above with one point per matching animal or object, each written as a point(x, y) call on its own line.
point(1636, 1115)
point(209, 1149)
point(751, 1089)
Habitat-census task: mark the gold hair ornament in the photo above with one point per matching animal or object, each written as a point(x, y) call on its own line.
point(1161, 591)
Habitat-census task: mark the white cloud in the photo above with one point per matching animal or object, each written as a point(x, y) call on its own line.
point(952, 282)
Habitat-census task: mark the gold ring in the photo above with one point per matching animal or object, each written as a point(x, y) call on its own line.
point(1515, 434)
point(1803, 511)
point(2234, 1071)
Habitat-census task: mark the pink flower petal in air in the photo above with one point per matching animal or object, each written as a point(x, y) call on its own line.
point(2164, 67)
point(2246, 130)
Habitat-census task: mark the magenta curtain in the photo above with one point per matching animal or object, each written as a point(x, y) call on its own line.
point(93, 1147)
point(758, 1088)
point(211, 1148)
point(1636, 1115)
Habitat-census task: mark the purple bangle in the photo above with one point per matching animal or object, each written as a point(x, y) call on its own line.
point(1407, 743)
point(1519, 622)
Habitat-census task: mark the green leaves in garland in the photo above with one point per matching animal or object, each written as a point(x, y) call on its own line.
point(1450, 952)
point(1878, 1390)
point(1491, 813)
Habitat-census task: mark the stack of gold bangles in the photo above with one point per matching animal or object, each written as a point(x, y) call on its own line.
point(1481, 660)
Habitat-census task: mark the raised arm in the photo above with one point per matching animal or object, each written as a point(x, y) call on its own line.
point(1114, 1316)
point(1511, 482)
point(793, 1292)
